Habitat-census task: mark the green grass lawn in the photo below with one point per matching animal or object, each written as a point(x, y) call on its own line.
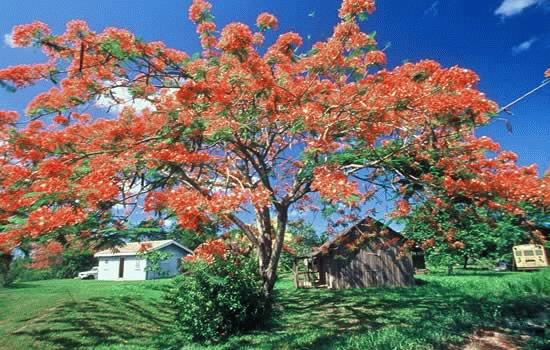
point(68, 314)
point(441, 310)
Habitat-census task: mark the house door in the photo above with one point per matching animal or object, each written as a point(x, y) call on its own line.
point(121, 268)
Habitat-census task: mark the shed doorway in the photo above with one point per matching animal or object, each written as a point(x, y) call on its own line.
point(121, 268)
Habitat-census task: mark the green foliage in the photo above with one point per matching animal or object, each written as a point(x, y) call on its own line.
point(20, 271)
point(487, 237)
point(218, 299)
point(73, 261)
point(192, 239)
point(301, 238)
point(112, 46)
point(154, 259)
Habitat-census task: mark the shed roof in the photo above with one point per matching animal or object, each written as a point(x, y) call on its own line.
point(367, 226)
point(134, 248)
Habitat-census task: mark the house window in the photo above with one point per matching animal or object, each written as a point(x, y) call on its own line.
point(138, 264)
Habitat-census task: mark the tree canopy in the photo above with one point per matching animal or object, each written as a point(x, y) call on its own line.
point(242, 133)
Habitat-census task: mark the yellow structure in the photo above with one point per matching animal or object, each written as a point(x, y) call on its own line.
point(529, 257)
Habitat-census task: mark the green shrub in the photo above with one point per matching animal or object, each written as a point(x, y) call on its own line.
point(73, 261)
point(217, 298)
point(20, 271)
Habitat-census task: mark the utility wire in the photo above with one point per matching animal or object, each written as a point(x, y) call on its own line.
point(505, 108)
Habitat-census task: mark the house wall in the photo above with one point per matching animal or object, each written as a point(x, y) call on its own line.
point(367, 268)
point(134, 268)
point(170, 267)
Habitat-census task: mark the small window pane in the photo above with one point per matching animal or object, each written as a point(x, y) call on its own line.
point(529, 253)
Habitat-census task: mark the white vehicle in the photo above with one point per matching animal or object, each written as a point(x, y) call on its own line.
point(92, 274)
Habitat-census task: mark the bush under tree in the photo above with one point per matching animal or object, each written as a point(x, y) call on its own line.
point(219, 294)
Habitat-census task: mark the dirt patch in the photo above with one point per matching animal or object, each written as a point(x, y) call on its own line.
point(493, 340)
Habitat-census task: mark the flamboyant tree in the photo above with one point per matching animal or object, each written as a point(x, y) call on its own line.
point(242, 133)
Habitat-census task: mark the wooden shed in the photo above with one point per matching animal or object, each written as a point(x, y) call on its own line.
point(367, 254)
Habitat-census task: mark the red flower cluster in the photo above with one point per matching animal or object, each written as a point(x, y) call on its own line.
point(77, 28)
point(261, 197)
point(46, 255)
point(334, 185)
point(25, 74)
point(235, 36)
point(206, 28)
point(60, 119)
point(375, 58)
point(8, 117)
point(402, 209)
point(175, 153)
point(547, 73)
point(198, 10)
point(267, 21)
point(208, 252)
point(45, 220)
point(288, 41)
point(351, 8)
point(26, 34)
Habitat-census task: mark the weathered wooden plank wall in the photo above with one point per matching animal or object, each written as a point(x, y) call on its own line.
point(367, 268)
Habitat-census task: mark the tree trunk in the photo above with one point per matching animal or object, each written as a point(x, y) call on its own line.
point(265, 229)
point(5, 262)
point(270, 245)
point(465, 262)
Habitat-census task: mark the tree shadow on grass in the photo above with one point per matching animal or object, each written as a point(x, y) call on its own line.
point(97, 321)
point(432, 315)
point(18, 285)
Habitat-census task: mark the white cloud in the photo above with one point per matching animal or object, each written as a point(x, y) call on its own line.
point(8, 40)
point(123, 98)
point(524, 46)
point(433, 9)
point(514, 7)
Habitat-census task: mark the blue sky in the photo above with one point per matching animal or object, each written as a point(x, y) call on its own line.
point(507, 42)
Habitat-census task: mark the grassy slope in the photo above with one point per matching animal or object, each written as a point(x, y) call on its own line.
point(67, 314)
point(442, 310)
point(114, 315)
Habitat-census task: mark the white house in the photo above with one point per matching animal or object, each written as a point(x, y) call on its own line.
point(127, 263)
